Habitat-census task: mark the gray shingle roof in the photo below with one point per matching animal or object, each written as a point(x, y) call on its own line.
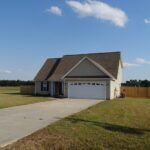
point(109, 61)
point(47, 69)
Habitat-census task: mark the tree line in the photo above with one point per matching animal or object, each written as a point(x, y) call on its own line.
point(137, 83)
point(15, 83)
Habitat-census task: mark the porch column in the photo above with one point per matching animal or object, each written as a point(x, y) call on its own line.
point(52, 88)
point(63, 87)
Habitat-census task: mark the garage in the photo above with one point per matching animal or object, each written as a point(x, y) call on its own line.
point(87, 90)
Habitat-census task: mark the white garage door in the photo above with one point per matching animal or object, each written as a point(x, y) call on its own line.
point(87, 90)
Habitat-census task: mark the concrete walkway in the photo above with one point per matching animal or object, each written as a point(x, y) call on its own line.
point(18, 122)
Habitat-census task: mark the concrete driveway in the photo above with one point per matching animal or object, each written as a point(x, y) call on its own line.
point(18, 122)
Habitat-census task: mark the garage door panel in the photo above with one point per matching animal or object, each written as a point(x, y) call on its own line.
point(95, 90)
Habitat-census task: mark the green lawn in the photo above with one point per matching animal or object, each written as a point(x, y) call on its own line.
point(110, 125)
point(10, 96)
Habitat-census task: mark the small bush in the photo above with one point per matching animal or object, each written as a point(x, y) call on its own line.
point(123, 95)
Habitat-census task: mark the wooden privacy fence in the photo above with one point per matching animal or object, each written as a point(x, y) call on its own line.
point(136, 91)
point(29, 89)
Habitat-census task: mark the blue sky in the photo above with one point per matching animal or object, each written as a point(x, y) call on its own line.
point(33, 30)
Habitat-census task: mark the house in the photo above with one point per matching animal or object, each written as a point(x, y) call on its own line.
point(87, 76)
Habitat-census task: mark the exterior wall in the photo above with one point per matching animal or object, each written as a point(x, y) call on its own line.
point(120, 78)
point(108, 90)
point(38, 89)
point(120, 73)
point(86, 68)
point(112, 89)
point(115, 86)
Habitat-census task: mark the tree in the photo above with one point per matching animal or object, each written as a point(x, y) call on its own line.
point(137, 83)
point(15, 83)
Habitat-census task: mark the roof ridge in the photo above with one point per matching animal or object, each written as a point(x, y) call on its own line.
point(54, 58)
point(93, 53)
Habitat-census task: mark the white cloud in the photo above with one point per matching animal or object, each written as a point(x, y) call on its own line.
point(55, 10)
point(142, 61)
point(5, 72)
point(137, 62)
point(128, 65)
point(147, 21)
point(99, 10)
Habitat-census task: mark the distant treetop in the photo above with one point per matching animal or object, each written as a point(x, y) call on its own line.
point(137, 83)
point(15, 83)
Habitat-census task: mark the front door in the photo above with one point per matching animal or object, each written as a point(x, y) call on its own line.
point(58, 88)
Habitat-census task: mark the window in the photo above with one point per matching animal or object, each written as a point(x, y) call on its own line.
point(44, 86)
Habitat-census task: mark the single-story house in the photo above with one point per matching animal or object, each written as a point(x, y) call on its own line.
point(86, 76)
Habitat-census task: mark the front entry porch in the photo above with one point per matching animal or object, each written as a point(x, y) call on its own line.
point(57, 88)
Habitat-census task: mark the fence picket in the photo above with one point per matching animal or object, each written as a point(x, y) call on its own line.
point(136, 91)
point(27, 90)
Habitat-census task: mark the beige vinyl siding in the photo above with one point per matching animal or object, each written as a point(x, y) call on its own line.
point(86, 68)
point(38, 89)
point(119, 80)
point(108, 90)
point(115, 86)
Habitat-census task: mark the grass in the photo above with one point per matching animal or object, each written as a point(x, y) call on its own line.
point(111, 125)
point(10, 96)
